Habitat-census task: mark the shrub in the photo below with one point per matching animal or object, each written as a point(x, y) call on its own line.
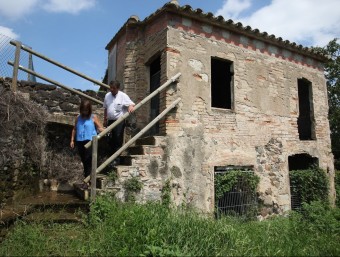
point(337, 187)
point(132, 186)
point(309, 185)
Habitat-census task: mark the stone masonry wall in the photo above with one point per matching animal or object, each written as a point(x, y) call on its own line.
point(63, 104)
point(56, 160)
point(261, 130)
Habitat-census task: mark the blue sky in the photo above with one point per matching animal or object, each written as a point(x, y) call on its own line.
point(75, 32)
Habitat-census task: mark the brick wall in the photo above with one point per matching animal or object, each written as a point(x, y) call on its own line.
point(264, 116)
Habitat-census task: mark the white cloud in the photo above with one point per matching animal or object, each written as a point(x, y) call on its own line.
point(8, 32)
point(69, 6)
point(308, 22)
point(15, 9)
point(231, 9)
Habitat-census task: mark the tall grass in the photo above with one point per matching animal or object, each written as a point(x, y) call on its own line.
point(116, 229)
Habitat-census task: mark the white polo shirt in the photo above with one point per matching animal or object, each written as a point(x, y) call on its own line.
point(117, 105)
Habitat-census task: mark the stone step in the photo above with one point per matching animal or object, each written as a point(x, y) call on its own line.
point(151, 140)
point(145, 150)
point(45, 201)
point(83, 194)
point(55, 217)
point(103, 184)
point(133, 160)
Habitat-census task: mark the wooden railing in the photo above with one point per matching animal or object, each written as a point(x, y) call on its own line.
point(95, 169)
point(16, 66)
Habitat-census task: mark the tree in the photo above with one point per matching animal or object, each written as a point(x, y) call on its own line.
point(332, 73)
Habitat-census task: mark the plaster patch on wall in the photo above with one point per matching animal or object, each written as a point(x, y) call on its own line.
point(186, 22)
point(196, 65)
point(226, 34)
point(207, 28)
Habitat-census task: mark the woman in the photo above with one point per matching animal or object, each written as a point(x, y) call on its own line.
point(86, 126)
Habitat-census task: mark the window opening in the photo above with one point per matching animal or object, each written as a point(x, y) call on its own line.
point(155, 82)
point(306, 113)
point(221, 83)
point(234, 195)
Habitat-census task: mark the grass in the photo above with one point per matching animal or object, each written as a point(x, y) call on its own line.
point(117, 229)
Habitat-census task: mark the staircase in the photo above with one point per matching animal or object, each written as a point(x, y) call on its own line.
point(143, 161)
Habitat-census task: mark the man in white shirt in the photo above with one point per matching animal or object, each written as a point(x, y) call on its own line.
point(116, 104)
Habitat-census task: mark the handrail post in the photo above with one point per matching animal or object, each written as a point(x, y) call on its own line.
point(94, 167)
point(132, 140)
point(16, 66)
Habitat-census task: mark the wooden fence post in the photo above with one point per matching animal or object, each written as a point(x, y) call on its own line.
point(16, 66)
point(94, 167)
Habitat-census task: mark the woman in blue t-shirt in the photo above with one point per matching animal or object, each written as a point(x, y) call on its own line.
point(86, 126)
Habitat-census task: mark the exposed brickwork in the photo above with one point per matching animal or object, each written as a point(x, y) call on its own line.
point(215, 33)
point(260, 129)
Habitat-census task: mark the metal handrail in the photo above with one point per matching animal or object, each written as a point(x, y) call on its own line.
point(55, 83)
point(132, 140)
point(146, 99)
point(17, 44)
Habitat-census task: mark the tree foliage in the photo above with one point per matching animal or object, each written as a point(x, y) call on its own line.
point(332, 73)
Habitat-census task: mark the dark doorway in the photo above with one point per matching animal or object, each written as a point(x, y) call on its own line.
point(155, 82)
point(301, 161)
point(306, 114)
point(221, 83)
point(298, 162)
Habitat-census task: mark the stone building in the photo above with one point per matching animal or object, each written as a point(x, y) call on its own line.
point(248, 100)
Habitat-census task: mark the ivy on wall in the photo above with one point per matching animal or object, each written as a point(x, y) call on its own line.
point(228, 181)
point(309, 185)
point(337, 187)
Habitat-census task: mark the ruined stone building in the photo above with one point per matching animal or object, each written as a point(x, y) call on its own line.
point(249, 100)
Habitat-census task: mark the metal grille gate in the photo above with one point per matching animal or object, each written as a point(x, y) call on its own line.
point(240, 201)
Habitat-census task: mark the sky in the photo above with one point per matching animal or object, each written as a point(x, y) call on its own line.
point(75, 32)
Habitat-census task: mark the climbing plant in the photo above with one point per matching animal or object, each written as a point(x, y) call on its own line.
point(309, 185)
point(166, 193)
point(337, 187)
point(226, 182)
point(132, 186)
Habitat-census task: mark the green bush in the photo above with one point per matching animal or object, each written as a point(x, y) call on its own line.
point(309, 185)
point(227, 181)
point(322, 216)
point(130, 229)
point(132, 186)
point(241, 186)
point(337, 187)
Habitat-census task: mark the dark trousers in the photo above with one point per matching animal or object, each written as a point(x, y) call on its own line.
point(117, 136)
point(85, 156)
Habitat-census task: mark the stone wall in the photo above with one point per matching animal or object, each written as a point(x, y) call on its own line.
point(61, 103)
point(261, 129)
point(40, 158)
point(21, 140)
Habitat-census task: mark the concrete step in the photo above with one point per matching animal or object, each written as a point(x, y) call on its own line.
point(151, 140)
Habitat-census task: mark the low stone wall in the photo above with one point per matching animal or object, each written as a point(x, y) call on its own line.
point(61, 103)
point(34, 147)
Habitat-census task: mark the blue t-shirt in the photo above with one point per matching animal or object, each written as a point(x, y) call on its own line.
point(85, 129)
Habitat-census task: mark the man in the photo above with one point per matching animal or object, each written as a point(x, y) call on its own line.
point(116, 104)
